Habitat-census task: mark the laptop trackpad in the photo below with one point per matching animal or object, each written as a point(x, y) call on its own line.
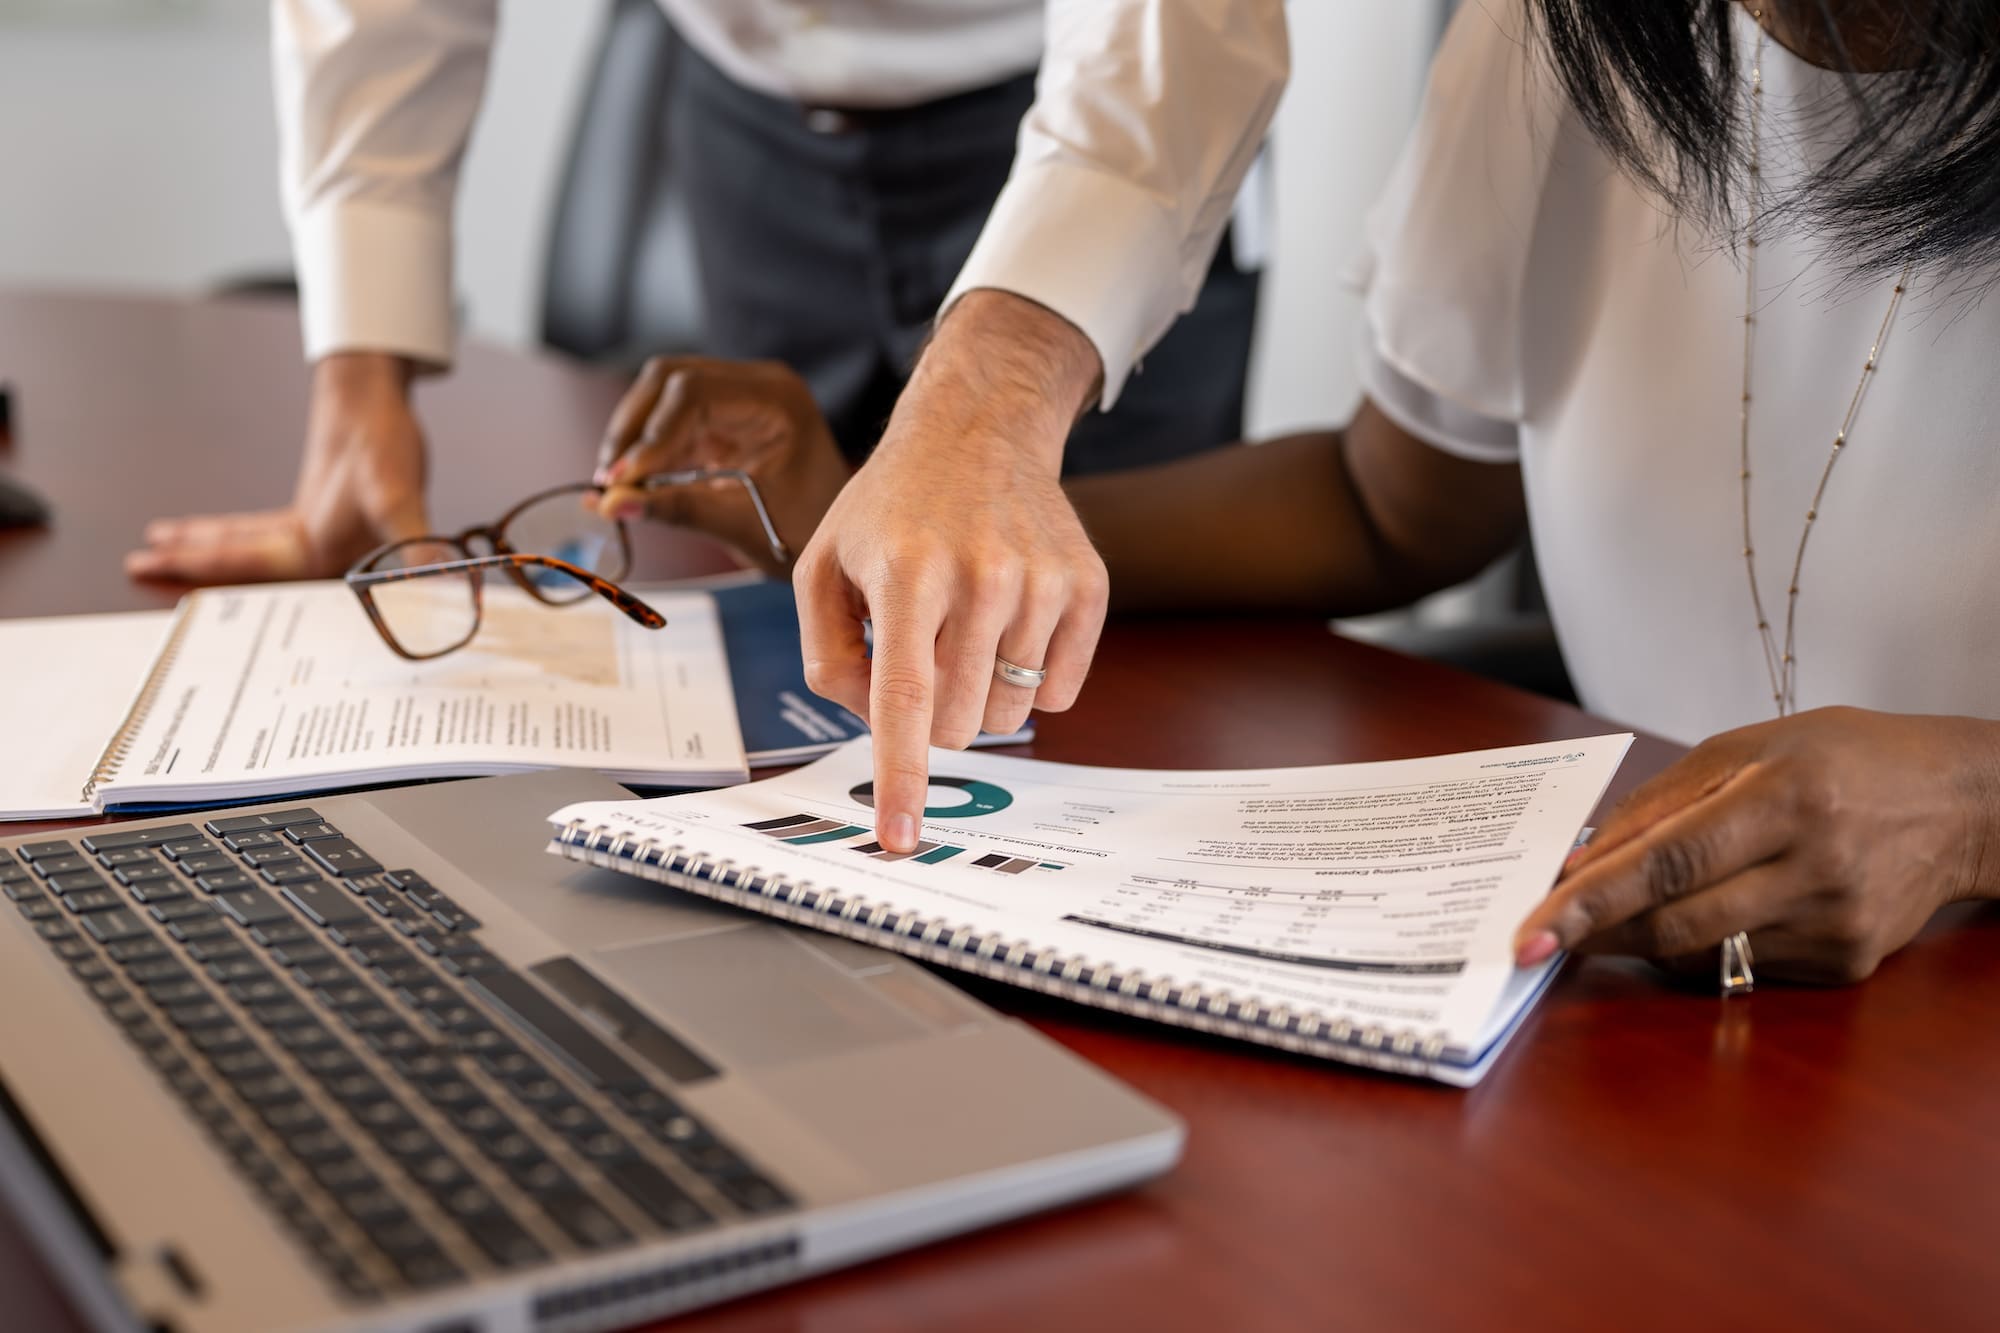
point(755, 996)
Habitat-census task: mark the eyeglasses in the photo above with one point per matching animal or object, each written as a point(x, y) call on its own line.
point(426, 595)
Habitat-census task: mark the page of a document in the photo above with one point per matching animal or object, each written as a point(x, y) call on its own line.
point(66, 682)
point(1383, 894)
point(288, 688)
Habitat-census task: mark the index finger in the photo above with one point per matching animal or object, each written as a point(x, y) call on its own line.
point(1727, 828)
point(628, 419)
point(901, 697)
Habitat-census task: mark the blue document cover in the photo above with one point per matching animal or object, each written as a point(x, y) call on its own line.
point(783, 722)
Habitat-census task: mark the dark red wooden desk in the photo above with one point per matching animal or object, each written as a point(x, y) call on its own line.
point(1643, 1158)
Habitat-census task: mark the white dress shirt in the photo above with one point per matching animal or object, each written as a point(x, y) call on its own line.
point(1148, 114)
point(1527, 301)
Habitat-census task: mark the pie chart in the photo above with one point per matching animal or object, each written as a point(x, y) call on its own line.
point(976, 798)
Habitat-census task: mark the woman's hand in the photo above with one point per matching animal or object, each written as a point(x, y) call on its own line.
point(1831, 837)
point(693, 412)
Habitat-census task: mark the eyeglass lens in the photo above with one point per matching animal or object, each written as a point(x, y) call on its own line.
point(426, 615)
point(566, 526)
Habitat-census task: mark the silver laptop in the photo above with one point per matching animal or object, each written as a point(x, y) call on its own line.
point(377, 1061)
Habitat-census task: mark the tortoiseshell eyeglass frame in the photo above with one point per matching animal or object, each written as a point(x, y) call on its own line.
point(363, 579)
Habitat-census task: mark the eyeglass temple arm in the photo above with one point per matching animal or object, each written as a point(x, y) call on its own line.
point(632, 606)
point(688, 476)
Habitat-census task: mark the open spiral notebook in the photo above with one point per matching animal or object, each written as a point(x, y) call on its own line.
point(1360, 912)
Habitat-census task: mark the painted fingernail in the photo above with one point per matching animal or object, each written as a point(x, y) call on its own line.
point(1536, 948)
point(901, 833)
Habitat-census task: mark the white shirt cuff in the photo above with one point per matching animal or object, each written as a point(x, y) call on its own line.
point(1096, 249)
point(377, 278)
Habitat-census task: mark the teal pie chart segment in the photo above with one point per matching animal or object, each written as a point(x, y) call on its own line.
point(980, 798)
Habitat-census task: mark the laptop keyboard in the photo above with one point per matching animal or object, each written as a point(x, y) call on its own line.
point(378, 1076)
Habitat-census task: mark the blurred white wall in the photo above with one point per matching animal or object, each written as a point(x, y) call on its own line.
point(141, 155)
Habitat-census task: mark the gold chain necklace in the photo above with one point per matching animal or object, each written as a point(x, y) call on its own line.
point(1781, 663)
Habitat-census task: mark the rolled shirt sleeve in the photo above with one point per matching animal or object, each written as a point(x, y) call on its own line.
point(376, 100)
point(1147, 115)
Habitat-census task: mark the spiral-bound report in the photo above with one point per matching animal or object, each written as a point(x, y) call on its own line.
point(1359, 912)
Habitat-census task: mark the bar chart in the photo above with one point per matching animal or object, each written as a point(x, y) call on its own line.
point(804, 830)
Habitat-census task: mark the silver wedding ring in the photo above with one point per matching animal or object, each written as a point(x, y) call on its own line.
point(1026, 677)
point(1736, 975)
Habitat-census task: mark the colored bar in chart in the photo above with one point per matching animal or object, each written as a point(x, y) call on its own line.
point(799, 830)
point(774, 826)
point(925, 853)
point(1006, 865)
point(835, 834)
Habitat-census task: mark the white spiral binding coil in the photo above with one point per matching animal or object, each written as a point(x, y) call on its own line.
point(964, 947)
point(120, 749)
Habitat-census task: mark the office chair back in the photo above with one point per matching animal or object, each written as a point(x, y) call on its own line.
point(620, 281)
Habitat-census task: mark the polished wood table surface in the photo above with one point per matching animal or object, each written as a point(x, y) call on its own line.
point(1644, 1157)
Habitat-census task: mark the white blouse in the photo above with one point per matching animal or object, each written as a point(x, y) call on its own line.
point(1527, 300)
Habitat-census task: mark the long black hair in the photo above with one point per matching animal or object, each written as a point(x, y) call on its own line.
point(1917, 178)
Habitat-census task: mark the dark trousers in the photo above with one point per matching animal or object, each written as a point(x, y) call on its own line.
point(827, 241)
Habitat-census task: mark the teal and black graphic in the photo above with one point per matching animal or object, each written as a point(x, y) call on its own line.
point(802, 830)
point(981, 798)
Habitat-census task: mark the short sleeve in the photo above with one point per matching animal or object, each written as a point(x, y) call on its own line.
point(1447, 245)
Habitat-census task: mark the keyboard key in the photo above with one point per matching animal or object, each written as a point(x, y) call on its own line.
point(127, 953)
point(205, 863)
point(266, 991)
point(180, 911)
point(142, 872)
point(243, 842)
point(231, 971)
point(201, 1014)
point(124, 856)
point(75, 882)
point(161, 967)
point(453, 917)
point(657, 1196)
point(288, 874)
point(303, 953)
point(259, 858)
point(158, 891)
point(298, 833)
point(221, 881)
point(39, 908)
point(251, 907)
point(221, 1041)
point(282, 932)
point(225, 948)
point(176, 990)
point(181, 848)
point(340, 856)
point(117, 924)
point(275, 819)
point(327, 972)
point(198, 928)
point(283, 1014)
point(22, 890)
point(424, 1269)
point(581, 1217)
point(554, 1026)
point(92, 900)
point(111, 839)
point(505, 1241)
point(324, 904)
point(89, 967)
point(38, 851)
point(48, 866)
